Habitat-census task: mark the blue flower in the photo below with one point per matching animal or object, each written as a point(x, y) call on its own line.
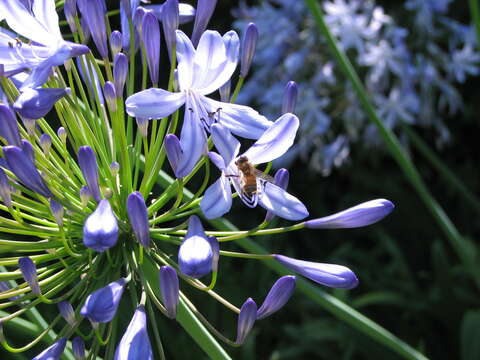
point(271, 145)
point(36, 103)
point(195, 256)
point(101, 305)
point(88, 164)
point(135, 343)
point(246, 320)
point(200, 72)
point(138, 215)
point(40, 25)
point(100, 231)
point(277, 297)
point(169, 289)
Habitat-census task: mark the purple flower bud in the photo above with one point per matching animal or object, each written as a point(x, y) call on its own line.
point(86, 30)
point(205, 10)
point(53, 352)
point(94, 11)
point(78, 346)
point(62, 134)
point(335, 276)
point(30, 125)
point(215, 250)
point(29, 272)
point(89, 167)
point(46, 143)
point(170, 290)
point(138, 216)
point(138, 18)
point(225, 91)
point(110, 95)
point(57, 212)
point(101, 305)
point(173, 150)
point(20, 162)
point(70, 10)
point(85, 195)
point(116, 42)
point(195, 254)
point(9, 126)
point(290, 95)
point(36, 103)
point(246, 319)
point(28, 149)
point(114, 168)
point(5, 189)
point(142, 124)
point(135, 340)
point(170, 21)
point(281, 180)
point(4, 287)
point(120, 71)
point(100, 231)
point(151, 41)
point(277, 297)
point(361, 215)
point(248, 48)
point(66, 310)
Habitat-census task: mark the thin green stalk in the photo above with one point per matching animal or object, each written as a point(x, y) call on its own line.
point(475, 10)
point(464, 249)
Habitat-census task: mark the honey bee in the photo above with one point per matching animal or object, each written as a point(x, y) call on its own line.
point(250, 181)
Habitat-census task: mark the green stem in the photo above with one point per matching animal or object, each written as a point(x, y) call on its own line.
point(475, 10)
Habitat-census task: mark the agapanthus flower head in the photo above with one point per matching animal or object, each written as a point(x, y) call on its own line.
point(101, 305)
point(100, 231)
point(246, 320)
point(331, 275)
point(135, 343)
point(195, 254)
point(54, 352)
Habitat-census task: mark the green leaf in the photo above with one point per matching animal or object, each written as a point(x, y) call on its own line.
point(469, 344)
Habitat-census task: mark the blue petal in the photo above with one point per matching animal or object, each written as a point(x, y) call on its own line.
point(225, 143)
point(217, 199)
point(36, 103)
point(154, 103)
point(275, 141)
point(46, 14)
point(217, 160)
point(239, 119)
point(185, 56)
point(281, 203)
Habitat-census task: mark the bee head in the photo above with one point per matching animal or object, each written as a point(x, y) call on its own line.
point(241, 160)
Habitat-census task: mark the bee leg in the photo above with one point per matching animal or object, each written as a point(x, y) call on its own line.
point(237, 176)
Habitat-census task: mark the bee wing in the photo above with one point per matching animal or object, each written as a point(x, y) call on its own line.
point(263, 176)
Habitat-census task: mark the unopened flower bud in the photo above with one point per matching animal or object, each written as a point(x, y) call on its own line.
point(151, 41)
point(89, 167)
point(46, 143)
point(170, 290)
point(248, 48)
point(70, 10)
point(204, 12)
point(170, 21)
point(138, 18)
point(100, 231)
point(116, 42)
point(36, 103)
point(5, 189)
point(62, 134)
point(173, 150)
point(57, 211)
point(110, 96)
point(246, 319)
point(9, 126)
point(142, 124)
point(53, 352)
point(94, 11)
point(135, 339)
point(78, 347)
point(290, 97)
point(114, 168)
point(85, 195)
point(101, 305)
point(138, 216)
point(120, 71)
point(66, 310)
point(277, 297)
point(29, 272)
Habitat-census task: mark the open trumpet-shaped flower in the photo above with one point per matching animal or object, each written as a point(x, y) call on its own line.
point(201, 71)
point(40, 25)
point(271, 145)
